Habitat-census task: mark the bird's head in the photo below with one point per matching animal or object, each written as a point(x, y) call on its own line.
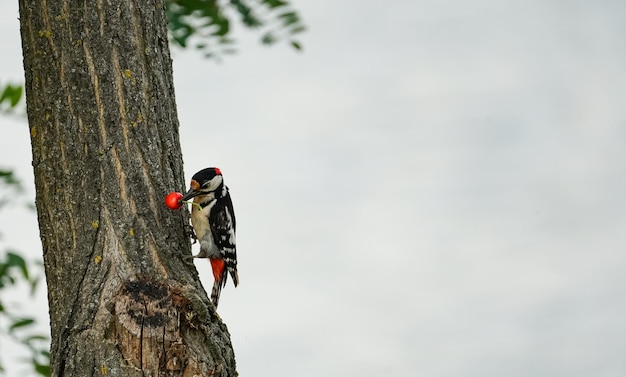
point(204, 182)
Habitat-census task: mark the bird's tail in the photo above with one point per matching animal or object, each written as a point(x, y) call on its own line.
point(220, 275)
point(215, 293)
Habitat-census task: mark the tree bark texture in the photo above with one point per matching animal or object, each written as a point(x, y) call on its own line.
point(123, 299)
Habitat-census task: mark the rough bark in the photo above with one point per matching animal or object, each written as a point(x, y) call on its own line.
point(104, 131)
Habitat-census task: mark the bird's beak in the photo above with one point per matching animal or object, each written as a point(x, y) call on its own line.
point(190, 194)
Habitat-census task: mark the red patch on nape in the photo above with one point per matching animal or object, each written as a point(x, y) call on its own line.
point(218, 268)
point(218, 171)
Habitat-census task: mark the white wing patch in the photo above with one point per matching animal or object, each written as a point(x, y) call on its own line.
point(231, 228)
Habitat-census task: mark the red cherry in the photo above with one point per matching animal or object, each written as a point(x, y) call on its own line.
point(172, 200)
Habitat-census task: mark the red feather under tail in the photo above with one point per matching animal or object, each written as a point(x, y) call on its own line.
point(219, 274)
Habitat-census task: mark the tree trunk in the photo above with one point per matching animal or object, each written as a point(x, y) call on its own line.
point(104, 132)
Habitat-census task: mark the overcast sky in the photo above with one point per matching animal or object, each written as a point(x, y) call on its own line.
point(432, 188)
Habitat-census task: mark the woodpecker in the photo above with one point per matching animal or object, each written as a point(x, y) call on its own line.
point(213, 221)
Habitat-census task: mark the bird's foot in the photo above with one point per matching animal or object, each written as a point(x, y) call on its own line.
point(189, 231)
point(190, 258)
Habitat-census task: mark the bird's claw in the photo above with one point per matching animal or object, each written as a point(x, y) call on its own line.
point(191, 233)
point(188, 259)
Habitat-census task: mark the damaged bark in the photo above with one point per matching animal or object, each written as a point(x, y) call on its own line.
point(105, 144)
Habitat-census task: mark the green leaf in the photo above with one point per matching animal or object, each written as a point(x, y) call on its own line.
point(274, 3)
point(23, 322)
point(3, 271)
point(247, 15)
point(15, 260)
point(268, 39)
point(35, 338)
point(296, 45)
point(41, 369)
point(8, 178)
point(290, 17)
point(34, 283)
point(12, 93)
point(206, 24)
point(17, 95)
point(297, 29)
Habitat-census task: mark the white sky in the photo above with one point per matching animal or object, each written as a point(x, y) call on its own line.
point(433, 188)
